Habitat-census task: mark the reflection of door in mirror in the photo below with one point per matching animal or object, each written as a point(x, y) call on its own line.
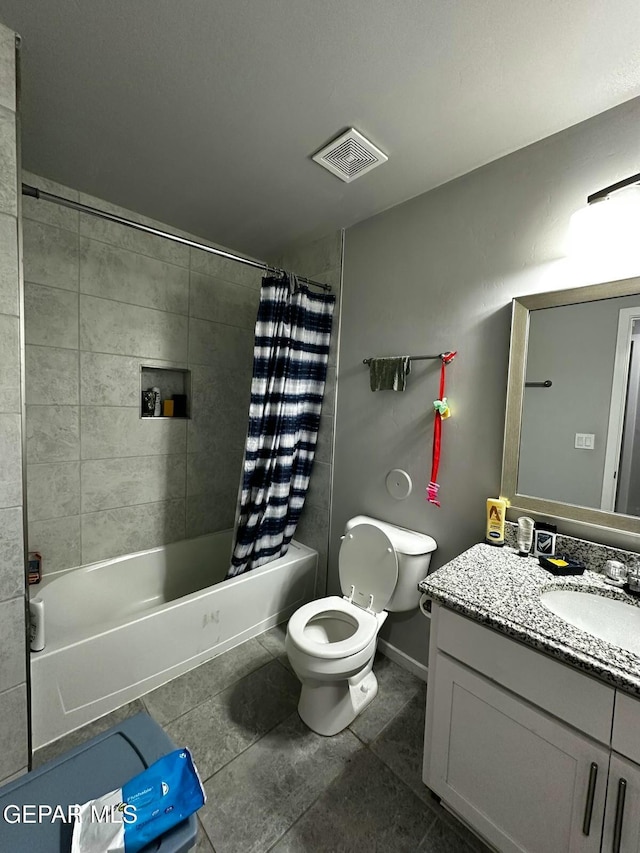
point(621, 480)
point(565, 428)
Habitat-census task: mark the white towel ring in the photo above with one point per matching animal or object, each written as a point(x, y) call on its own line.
point(423, 600)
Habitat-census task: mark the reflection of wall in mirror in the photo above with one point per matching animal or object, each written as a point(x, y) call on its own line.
point(628, 496)
point(574, 346)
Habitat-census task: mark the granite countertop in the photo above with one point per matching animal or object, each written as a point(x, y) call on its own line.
point(498, 588)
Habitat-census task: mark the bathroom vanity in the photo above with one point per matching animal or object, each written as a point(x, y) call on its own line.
point(533, 725)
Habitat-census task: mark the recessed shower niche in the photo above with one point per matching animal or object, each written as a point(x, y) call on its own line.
point(174, 387)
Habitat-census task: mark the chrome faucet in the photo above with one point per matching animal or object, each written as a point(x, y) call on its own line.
point(633, 579)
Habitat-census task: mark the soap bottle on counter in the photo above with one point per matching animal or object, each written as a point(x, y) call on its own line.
point(496, 512)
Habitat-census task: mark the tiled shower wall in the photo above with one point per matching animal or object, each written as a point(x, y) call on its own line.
point(100, 300)
point(13, 692)
point(320, 260)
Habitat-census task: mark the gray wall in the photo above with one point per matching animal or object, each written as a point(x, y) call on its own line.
point(574, 346)
point(320, 260)
point(13, 689)
point(101, 300)
point(439, 273)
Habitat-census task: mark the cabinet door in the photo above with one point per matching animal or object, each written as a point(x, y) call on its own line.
point(622, 816)
point(521, 778)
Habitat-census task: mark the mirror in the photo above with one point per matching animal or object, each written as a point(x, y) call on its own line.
point(572, 429)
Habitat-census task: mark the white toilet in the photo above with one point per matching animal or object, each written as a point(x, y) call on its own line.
point(331, 642)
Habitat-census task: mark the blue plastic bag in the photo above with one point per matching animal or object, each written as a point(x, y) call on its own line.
point(127, 819)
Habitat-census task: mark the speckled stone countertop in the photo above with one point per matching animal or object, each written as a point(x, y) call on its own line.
point(498, 588)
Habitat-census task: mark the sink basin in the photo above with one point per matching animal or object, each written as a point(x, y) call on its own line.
point(611, 620)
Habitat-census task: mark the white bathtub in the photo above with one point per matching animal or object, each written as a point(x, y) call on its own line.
point(116, 629)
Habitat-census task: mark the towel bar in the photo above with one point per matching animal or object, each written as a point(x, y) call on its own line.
point(413, 357)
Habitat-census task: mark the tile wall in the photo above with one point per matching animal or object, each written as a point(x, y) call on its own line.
point(320, 260)
point(13, 688)
point(100, 300)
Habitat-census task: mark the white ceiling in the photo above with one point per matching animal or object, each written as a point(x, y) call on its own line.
point(205, 113)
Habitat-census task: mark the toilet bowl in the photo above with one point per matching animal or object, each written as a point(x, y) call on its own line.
point(331, 642)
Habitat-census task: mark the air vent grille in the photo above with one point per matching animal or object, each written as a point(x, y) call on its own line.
point(350, 156)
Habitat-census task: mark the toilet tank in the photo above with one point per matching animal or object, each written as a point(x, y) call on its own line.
point(414, 555)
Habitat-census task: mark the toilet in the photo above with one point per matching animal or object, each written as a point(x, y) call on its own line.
point(331, 642)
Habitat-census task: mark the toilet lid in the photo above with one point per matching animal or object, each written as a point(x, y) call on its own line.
point(368, 561)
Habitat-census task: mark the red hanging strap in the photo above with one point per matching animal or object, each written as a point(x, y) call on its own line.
point(440, 407)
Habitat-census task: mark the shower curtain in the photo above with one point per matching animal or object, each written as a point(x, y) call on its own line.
point(290, 357)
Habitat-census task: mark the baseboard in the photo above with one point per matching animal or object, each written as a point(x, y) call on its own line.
point(403, 660)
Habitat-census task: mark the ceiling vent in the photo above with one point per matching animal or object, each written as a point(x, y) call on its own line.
point(350, 156)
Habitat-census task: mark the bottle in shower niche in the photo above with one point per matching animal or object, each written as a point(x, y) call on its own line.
point(157, 403)
point(148, 403)
point(36, 624)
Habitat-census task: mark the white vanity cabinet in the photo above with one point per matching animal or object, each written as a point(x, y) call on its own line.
point(622, 817)
point(517, 775)
point(519, 745)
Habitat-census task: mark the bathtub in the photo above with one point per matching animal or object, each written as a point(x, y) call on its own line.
point(116, 629)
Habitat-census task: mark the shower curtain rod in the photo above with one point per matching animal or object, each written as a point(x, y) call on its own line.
point(34, 192)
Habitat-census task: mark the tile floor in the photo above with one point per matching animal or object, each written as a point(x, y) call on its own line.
point(273, 785)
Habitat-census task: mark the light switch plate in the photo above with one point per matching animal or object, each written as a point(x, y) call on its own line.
point(585, 440)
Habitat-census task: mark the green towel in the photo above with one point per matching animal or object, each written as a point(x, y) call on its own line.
point(389, 374)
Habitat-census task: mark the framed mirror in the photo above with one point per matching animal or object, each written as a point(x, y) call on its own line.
point(572, 428)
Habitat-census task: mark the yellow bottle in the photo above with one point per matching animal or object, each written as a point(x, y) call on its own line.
point(496, 512)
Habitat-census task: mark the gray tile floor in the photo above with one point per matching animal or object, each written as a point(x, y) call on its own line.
point(273, 785)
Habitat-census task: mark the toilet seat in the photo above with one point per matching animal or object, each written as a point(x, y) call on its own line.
point(367, 627)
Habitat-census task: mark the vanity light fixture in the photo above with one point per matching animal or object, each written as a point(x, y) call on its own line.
point(603, 237)
point(603, 194)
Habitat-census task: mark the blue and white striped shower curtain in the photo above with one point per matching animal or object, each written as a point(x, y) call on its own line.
point(290, 357)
